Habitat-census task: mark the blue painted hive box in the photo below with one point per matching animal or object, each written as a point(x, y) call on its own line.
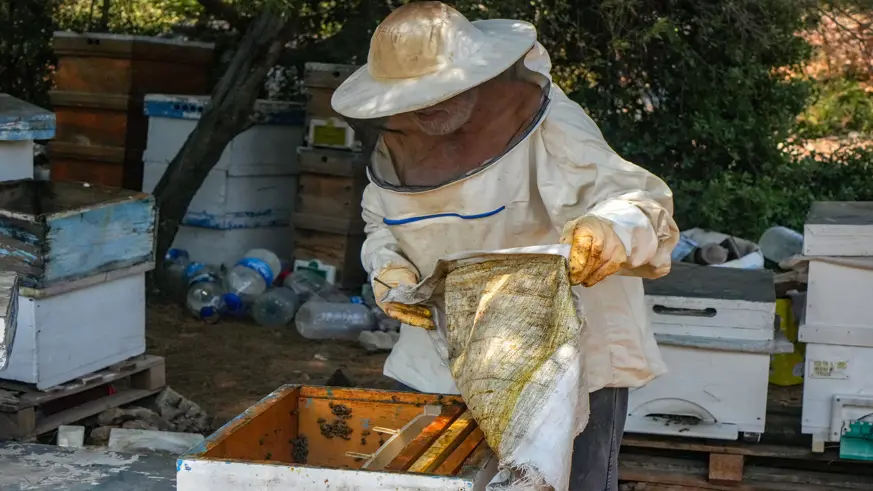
point(22, 121)
point(57, 232)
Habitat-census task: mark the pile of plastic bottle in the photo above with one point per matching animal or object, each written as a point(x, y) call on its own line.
point(258, 286)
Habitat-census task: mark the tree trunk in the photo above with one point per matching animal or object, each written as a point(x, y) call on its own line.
point(229, 112)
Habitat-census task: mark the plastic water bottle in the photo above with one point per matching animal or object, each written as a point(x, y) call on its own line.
point(309, 285)
point(276, 307)
point(252, 275)
point(196, 271)
point(205, 298)
point(338, 321)
point(175, 263)
point(780, 243)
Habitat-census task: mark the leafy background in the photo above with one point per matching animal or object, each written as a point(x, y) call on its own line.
point(750, 109)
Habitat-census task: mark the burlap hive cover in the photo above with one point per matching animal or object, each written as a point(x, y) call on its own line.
point(514, 339)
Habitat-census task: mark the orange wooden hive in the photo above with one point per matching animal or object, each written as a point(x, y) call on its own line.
point(101, 82)
point(307, 438)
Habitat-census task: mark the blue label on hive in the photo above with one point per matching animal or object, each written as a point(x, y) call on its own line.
point(261, 267)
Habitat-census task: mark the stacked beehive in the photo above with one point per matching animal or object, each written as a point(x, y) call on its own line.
point(838, 325)
point(715, 328)
point(81, 252)
point(101, 81)
point(327, 217)
point(247, 198)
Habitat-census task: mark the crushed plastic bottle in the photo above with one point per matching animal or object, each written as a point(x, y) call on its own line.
point(337, 321)
point(205, 298)
point(276, 307)
point(378, 340)
point(175, 263)
point(251, 275)
point(309, 285)
point(780, 243)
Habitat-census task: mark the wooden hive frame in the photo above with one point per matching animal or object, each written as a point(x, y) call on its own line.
point(303, 438)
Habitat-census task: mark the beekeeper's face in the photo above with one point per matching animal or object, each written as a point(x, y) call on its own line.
point(447, 116)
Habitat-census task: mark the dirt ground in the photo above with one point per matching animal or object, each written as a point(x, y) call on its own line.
point(228, 366)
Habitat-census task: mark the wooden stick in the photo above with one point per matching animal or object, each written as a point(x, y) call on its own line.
point(425, 439)
point(445, 444)
point(456, 459)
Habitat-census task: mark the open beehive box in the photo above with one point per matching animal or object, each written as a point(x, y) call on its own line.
point(307, 438)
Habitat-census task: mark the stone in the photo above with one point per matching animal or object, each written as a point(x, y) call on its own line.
point(118, 416)
point(131, 440)
point(182, 414)
point(100, 436)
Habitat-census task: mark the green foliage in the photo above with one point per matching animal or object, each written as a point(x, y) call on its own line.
point(838, 107)
point(696, 91)
point(143, 17)
point(745, 205)
point(699, 93)
point(26, 57)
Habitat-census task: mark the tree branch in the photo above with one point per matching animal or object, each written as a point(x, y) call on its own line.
point(225, 12)
point(225, 116)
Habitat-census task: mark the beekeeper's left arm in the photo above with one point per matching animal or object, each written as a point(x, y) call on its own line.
point(602, 203)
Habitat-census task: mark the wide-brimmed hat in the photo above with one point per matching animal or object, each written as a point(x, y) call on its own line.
point(425, 53)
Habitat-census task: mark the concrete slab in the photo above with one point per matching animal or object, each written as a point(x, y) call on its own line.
point(34, 467)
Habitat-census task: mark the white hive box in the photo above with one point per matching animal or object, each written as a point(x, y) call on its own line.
point(839, 302)
point(839, 228)
point(68, 335)
point(255, 181)
point(269, 148)
point(715, 328)
point(20, 124)
point(712, 303)
point(837, 389)
point(227, 246)
point(228, 202)
point(838, 326)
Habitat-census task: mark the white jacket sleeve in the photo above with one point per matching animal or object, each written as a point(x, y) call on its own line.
point(380, 251)
point(580, 174)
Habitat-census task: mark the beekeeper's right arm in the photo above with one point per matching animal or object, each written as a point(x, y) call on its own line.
point(387, 266)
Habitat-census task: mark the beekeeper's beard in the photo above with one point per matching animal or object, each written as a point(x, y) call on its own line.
point(448, 116)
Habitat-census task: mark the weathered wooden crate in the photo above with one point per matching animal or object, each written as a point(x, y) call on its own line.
point(340, 250)
point(101, 81)
point(26, 411)
point(62, 335)
point(63, 232)
point(316, 438)
point(327, 217)
point(326, 75)
point(20, 124)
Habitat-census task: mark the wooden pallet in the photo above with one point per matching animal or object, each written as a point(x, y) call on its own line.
point(26, 412)
point(783, 460)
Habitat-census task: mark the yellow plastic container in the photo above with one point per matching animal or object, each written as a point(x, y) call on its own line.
point(787, 369)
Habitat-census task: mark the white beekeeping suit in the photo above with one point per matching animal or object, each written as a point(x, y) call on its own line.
point(559, 170)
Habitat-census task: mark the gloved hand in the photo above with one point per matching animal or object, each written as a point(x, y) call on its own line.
point(413, 315)
point(596, 250)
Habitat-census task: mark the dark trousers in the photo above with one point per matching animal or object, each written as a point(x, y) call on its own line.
point(595, 451)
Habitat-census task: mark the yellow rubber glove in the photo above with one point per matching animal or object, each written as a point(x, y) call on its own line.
point(596, 251)
point(413, 315)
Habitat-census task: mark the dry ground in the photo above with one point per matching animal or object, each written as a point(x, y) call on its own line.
point(229, 366)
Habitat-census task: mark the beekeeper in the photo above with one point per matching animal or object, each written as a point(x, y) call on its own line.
point(479, 150)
